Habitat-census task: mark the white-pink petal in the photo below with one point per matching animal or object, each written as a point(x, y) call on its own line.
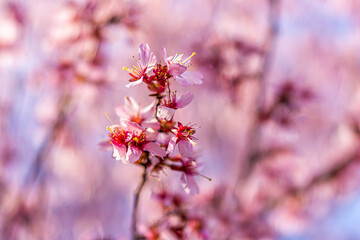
point(131, 104)
point(189, 184)
point(121, 112)
point(137, 82)
point(131, 126)
point(155, 149)
point(143, 54)
point(133, 154)
point(171, 145)
point(165, 113)
point(189, 78)
point(147, 112)
point(163, 50)
point(176, 69)
point(151, 134)
point(151, 63)
point(120, 153)
point(185, 148)
point(183, 82)
point(147, 59)
point(185, 100)
point(152, 123)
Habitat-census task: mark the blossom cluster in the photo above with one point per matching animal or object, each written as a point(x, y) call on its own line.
point(150, 136)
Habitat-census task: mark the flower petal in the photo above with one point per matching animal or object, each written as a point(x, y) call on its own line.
point(105, 145)
point(133, 154)
point(185, 148)
point(185, 100)
point(148, 110)
point(120, 153)
point(151, 63)
point(189, 78)
point(165, 113)
point(171, 145)
point(189, 184)
point(144, 55)
point(121, 112)
point(176, 69)
point(163, 50)
point(155, 149)
point(183, 82)
point(131, 126)
point(151, 134)
point(152, 123)
point(132, 105)
point(137, 82)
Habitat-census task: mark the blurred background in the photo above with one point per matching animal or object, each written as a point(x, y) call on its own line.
point(279, 115)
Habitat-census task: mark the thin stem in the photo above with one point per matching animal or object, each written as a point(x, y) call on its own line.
point(159, 97)
point(136, 235)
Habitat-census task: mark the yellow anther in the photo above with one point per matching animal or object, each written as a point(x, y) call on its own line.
point(193, 54)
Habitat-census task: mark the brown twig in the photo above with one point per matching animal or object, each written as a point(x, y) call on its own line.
point(136, 235)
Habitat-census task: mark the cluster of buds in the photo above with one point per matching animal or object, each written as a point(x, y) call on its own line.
point(150, 136)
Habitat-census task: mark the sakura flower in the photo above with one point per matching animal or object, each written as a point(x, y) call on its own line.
point(159, 80)
point(145, 63)
point(184, 139)
point(189, 168)
point(129, 140)
point(132, 111)
point(187, 178)
point(178, 69)
point(166, 111)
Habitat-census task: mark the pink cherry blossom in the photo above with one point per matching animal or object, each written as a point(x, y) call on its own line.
point(187, 177)
point(178, 69)
point(183, 139)
point(167, 109)
point(129, 140)
point(132, 111)
point(145, 63)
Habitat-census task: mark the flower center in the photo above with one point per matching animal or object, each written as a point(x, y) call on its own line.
point(138, 141)
point(186, 132)
point(136, 118)
point(117, 135)
point(161, 73)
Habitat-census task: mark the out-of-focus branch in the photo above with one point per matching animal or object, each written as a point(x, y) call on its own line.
point(21, 214)
point(328, 175)
point(136, 235)
point(269, 49)
point(45, 147)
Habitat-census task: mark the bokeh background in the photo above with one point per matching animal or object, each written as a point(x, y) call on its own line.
point(278, 113)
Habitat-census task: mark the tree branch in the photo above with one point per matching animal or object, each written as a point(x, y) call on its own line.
point(136, 235)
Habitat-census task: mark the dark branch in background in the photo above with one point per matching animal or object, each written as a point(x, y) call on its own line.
point(255, 129)
point(326, 176)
